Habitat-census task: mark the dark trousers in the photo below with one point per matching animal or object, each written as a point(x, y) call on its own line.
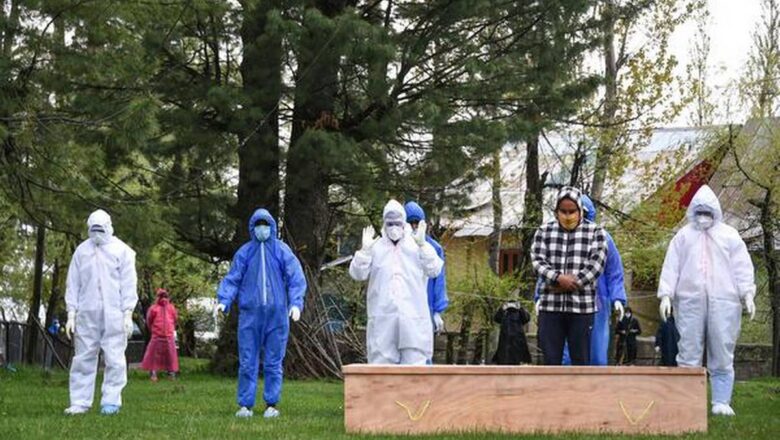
point(556, 328)
point(626, 345)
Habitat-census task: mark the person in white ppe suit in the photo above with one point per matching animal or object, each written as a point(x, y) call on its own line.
point(397, 267)
point(100, 297)
point(706, 273)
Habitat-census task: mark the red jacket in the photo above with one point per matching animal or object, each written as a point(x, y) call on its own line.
point(161, 318)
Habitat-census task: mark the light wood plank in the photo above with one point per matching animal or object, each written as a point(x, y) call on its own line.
point(401, 399)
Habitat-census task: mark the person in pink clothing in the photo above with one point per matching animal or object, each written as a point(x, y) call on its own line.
point(161, 352)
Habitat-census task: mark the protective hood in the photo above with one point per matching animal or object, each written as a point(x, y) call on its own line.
point(262, 214)
point(394, 210)
point(569, 192)
point(101, 218)
point(414, 212)
point(394, 207)
point(589, 208)
point(705, 200)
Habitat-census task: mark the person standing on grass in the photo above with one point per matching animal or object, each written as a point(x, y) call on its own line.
point(512, 343)
point(397, 266)
point(161, 352)
point(569, 255)
point(437, 287)
point(100, 297)
point(707, 275)
point(627, 330)
point(266, 280)
point(610, 294)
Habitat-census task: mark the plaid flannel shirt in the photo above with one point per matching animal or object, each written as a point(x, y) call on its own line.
point(581, 252)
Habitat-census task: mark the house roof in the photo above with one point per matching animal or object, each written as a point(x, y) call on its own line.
point(734, 189)
point(668, 152)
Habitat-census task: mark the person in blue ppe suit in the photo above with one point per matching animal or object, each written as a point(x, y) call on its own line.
point(267, 280)
point(437, 287)
point(610, 291)
point(54, 328)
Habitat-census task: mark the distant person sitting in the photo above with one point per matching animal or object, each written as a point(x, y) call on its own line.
point(627, 330)
point(512, 343)
point(666, 340)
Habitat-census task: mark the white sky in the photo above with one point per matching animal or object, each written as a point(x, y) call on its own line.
point(730, 29)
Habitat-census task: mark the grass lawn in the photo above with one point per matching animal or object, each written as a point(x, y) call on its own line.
point(201, 406)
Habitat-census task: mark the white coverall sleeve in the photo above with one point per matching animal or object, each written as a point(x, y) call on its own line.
point(430, 260)
point(670, 272)
point(743, 270)
point(73, 284)
point(128, 282)
point(360, 267)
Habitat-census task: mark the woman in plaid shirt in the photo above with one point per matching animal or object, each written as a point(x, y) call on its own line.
point(569, 256)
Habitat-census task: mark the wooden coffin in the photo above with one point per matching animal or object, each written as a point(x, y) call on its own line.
point(524, 399)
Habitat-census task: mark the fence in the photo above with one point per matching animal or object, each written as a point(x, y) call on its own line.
point(50, 350)
point(750, 360)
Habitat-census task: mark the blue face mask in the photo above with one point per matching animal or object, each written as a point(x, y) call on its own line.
point(262, 232)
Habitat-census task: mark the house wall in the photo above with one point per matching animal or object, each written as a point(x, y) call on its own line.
point(467, 257)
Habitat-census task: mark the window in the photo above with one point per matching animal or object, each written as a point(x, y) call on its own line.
point(510, 261)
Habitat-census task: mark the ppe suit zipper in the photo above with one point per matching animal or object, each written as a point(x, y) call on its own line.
point(262, 271)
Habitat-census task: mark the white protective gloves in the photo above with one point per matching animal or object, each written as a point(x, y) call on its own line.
point(750, 305)
point(70, 326)
point(369, 238)
point(419, 234)
point(618, 306)
point(665, 309)
point(438, 323)
point(295, 312)
point(128, 324)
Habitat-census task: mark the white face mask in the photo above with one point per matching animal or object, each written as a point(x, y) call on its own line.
point(394, 233)
point(704, 221)
point(99, 238)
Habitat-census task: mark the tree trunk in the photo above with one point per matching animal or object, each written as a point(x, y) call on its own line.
point(225, 360)
point(770, 261)
point(607, 138)
point(498, 215)
point(35, 303)
point(187, 341)
point(532, 213)
point(10, 31)
point(258, 156)
point(308, 165)
point(54, 296)
point(463, 339)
